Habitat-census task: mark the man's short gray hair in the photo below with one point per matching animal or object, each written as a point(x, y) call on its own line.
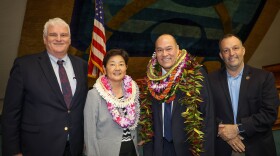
point(55, 21)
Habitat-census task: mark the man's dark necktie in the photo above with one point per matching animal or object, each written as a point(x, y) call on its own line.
point(167, 122)
point(65, 85)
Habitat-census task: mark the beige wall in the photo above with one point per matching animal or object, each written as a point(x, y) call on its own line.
point(11, 20)
point(268, 51)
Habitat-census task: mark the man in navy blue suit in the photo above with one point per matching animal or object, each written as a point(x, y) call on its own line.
point(246, 102)
point(45, 97)
point(181, 105)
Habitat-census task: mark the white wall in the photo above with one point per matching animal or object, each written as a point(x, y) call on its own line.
point(11, 20)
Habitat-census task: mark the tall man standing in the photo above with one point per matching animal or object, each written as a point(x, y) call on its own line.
point(246, 102)
point(179, 99)
point(45, 97)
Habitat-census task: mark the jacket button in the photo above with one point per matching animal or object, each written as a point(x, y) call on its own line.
point(68, 111)
point(66, 128)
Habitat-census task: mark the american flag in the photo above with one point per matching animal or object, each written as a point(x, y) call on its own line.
point(98, 43)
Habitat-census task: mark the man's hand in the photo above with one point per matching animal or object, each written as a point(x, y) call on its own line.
point(237, 144)
point(141, 143)
point(19, 154)
point(227, 131)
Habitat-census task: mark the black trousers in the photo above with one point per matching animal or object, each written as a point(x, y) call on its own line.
point(67, 151)
point(128, 149)
point(168, 148)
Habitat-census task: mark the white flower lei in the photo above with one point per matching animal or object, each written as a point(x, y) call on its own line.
point(130, 101)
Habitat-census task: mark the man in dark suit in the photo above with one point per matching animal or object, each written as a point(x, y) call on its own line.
point(246, 102)
point(181, 99)
point(44, 100)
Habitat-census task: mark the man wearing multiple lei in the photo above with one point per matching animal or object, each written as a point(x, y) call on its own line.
point(177, 114)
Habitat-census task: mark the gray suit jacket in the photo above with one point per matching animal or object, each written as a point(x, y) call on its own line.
point(102, 135)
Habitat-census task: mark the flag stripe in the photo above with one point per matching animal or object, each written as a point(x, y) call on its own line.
point(98, 43)
point(99, 30)
point(98, 46)
point(98, 54)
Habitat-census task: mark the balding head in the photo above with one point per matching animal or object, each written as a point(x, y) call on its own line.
point(168, 37)
point(167, 51)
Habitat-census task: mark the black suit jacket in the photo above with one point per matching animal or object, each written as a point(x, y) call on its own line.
point(257, 110)
point(181, 144)
point(35, 118)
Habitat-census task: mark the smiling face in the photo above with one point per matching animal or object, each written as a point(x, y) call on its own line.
point(167, 51)
point(232, 53)
point(57, 40)
point(116, 68)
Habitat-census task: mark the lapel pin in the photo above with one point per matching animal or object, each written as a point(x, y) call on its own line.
point(247, 77)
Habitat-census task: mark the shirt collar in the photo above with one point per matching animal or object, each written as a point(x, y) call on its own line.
point(163, 71)
point(240, 74)
point(54, 59)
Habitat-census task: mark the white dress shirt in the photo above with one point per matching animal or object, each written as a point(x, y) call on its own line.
point(68, 68)
point(162, 106)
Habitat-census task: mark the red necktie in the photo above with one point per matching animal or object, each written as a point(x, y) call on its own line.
point(65, 85)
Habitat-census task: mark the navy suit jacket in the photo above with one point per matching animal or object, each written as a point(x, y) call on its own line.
point(155, 148)
point(257, 110)
point(35, 119)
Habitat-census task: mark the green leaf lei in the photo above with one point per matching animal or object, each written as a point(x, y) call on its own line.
point(190, 84)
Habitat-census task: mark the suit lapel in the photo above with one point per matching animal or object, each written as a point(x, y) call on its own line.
point(224, 83)
point(47, 68)
point(176, 104)
point(78, 76)
point(158, 107)
point(243, 87)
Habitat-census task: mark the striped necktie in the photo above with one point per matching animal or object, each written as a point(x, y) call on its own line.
point(65, 85)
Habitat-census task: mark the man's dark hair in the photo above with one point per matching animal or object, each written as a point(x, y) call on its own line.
point(227, 36)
